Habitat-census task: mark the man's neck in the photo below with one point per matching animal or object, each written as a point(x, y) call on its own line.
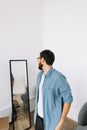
point(46, 69)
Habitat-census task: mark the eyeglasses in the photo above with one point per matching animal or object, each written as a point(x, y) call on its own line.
point(38, 58)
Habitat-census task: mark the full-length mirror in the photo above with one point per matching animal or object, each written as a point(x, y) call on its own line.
point(20, 95)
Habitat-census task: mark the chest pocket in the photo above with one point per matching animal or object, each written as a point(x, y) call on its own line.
point(51, 97)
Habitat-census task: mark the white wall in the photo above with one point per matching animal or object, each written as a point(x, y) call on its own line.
point(20, 38)
point(65, 32)
point(27, 26)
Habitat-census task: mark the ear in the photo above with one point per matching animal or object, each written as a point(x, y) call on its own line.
point(43, 60)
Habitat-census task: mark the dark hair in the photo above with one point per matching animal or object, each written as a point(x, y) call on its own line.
point(12, 77)
point(48, 56)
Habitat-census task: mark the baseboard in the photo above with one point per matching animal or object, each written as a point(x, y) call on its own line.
point(7, 111)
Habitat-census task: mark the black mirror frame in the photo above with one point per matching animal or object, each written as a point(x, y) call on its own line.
point(12, 90)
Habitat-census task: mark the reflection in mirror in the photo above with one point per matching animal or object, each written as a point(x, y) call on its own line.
point(20, 95)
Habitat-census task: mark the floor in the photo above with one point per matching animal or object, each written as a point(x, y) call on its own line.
point(68, 124)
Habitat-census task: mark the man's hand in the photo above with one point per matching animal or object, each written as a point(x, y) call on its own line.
point(59, 126)
point(66, 108)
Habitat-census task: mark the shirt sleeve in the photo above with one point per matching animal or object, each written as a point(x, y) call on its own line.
point(65, 90)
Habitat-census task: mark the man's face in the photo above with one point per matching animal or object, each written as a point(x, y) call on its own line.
point(40, 65)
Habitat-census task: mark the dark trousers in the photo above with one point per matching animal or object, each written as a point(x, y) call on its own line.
point(39, 123)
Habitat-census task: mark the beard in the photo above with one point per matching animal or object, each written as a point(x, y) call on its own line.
point(40, 66)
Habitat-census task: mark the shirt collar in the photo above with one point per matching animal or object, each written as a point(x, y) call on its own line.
point(49, 72)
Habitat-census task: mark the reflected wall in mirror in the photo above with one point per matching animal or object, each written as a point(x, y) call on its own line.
point(20, 95)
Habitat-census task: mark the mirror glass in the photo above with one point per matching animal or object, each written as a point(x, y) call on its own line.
point(20, 95)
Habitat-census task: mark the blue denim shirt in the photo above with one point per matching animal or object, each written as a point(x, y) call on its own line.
point(55, 90)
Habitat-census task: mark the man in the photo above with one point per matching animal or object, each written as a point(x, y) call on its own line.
point(53, 95)
point(14, 117)
point(12, 80)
